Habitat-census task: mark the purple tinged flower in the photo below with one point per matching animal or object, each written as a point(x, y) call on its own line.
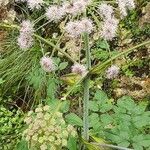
point(76, 6)
point(73, 29)
point(27, 27)
point(124, 5)
point(79, 69)
point(47, 64)
point(112, 72)
point(25, 39)
point(105, 11)
point(109, 28)
point(35, 4)
point(86, 25)
point(20, 0)
point(76, 28)
point(55, 13)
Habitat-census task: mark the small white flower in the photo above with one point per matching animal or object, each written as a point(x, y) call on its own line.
point(55, 13)
point(124, 5)
point(76, 28)
point(35, 4)
point(47, 64)
point(25, 39)
point(109, 29)
point(112, 72)
point(86, 25)
point(105, 11)
point(79, 69)
point(76, 6)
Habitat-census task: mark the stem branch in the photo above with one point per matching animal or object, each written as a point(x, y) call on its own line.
point(86, 85)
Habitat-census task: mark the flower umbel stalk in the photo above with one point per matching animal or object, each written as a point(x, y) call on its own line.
point(86, 85)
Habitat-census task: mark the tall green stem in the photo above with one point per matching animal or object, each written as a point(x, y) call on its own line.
point(86, 85)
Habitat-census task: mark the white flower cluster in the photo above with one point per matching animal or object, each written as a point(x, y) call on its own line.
point(105, 10)
point(76, 6)
point(47, 64)
point(110, 23)
point(47, 130)
point(76, 28)
point(33, 4)
point(55, 12)
point(124, 5)
point(25, 39)
point(79, 69)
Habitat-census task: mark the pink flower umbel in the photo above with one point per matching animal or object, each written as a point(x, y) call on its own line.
point(112, 72)
point(35, 4)
point(109, 29)
point(105, 11)
point(124, 5)
point(73, 29)
point(86, 25)
point(55, 13)
point(76, 28)
point(25, 39)
point(47, 64)
point(76, 6)
point(79, 69)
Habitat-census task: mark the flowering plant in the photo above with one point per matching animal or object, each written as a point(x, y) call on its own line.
point(79, 24)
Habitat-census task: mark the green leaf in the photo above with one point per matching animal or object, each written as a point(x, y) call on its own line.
point(72, 143)
point(89, 145)
point(100, 95)
point(63, 65)
point(94, 121)
point(74, 119)
point(51, 89)
point(53, 103)
point(1, 81)
point(22, 145)
point(124, 144)
point(106, 119)
point(105, 107)
point(103, 44)
point(137, 146)
point(65, 106)
point(93, 106)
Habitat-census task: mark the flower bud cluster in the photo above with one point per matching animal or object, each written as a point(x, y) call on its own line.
point(47, 129)
point(25, 39)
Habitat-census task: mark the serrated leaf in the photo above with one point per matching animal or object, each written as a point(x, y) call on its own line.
point(94, 120)
point(100, 96)
point(93, 106)
point(74, 119)
point(106, 119)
